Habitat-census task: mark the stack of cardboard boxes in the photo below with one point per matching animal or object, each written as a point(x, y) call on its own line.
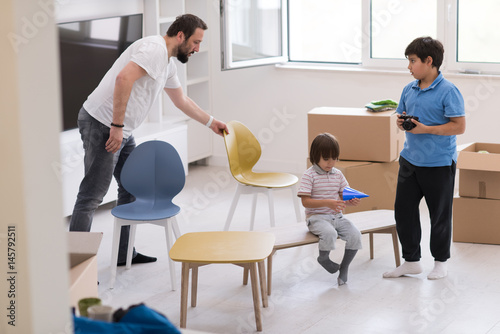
point(370, 143)
point(476, 212)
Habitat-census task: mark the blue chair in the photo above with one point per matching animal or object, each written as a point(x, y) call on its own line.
point(154, 174)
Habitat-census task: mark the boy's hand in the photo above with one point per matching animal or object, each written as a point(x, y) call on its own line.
point(353, 202)
point(419, 127)
point(399, 121)
point(337, 206)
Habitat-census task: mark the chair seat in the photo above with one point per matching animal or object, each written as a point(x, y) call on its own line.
point(268, 180)
point(223, 247)
point(146, 211)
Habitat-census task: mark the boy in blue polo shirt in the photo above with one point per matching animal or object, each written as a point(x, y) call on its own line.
point(427, 163)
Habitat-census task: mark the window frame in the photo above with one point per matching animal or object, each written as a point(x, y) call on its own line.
point(227, 62)
point(447, 33)
point(451, 33)
point(368, 62)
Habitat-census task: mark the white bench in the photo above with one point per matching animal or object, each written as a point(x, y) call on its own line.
point(294, 235)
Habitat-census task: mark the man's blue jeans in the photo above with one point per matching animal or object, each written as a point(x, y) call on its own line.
point(100, 167)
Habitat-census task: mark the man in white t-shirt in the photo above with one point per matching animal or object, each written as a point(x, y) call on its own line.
point(120, 103)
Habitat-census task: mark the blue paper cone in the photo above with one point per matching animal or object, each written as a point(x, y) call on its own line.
point(350, 193)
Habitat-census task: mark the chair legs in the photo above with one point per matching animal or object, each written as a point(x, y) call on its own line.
point(254, 209)
point(243, 189)
point(114, 251)
point(236, 197)
point(270, 199)
point(257, 274)
point(171, 230)
point(130, 247)
point(296, 204)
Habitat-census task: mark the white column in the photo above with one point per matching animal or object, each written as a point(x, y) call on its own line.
point(34, 276)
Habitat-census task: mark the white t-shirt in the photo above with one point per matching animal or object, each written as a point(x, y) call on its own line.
point(151, 54)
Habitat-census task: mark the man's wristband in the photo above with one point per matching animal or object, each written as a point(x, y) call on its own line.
point(210, 121)
point(117, 125)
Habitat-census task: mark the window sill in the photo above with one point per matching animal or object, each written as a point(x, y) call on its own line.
point(336, 67)
point(359, 69)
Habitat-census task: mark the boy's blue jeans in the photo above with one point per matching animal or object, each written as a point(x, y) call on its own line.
point(100, 167)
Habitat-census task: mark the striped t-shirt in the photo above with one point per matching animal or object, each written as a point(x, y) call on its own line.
point(319, 184)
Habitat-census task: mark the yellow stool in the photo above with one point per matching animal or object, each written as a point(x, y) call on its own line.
point(245, 249)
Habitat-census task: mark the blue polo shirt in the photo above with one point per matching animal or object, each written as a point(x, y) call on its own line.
point(433, 105)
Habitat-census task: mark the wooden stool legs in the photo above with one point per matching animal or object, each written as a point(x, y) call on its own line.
point(255, 279)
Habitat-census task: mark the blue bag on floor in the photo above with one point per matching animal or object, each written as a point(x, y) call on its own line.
point(138, 320)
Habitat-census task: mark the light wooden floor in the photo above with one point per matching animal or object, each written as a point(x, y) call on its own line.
point(305, 299)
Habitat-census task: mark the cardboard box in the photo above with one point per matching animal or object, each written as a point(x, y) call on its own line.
point(363, 135)
point(476, 220)
point(379, 180)
point(82, 249)
point(479, 174)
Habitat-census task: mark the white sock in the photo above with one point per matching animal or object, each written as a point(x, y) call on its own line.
point(440, 270)
point(407, 268)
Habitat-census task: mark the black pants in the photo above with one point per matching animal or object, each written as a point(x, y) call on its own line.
point(436, 185)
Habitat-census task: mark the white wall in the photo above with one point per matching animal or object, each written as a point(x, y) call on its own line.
point(257, 96)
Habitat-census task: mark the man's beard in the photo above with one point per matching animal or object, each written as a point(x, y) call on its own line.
point(182, 55)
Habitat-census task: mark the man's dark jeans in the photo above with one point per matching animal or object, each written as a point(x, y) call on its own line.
point(100, 167)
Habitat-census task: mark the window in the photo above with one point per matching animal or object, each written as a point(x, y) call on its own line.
point(395, 24)
point(362, 33)
point(252, 32)
point(391, 25)
point(477, 35)
point(325, 31)
point(108, 29)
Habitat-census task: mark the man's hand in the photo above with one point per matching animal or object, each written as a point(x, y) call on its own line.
point(219, 127)
point(115, 139)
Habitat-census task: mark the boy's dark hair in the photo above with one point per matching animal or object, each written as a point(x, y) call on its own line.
point(424, 47)
point(186, 23)
point(325, 146)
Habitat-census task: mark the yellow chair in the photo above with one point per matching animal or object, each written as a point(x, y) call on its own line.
point(243, 152)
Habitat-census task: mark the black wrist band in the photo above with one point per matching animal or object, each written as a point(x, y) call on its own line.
point(117, 125)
